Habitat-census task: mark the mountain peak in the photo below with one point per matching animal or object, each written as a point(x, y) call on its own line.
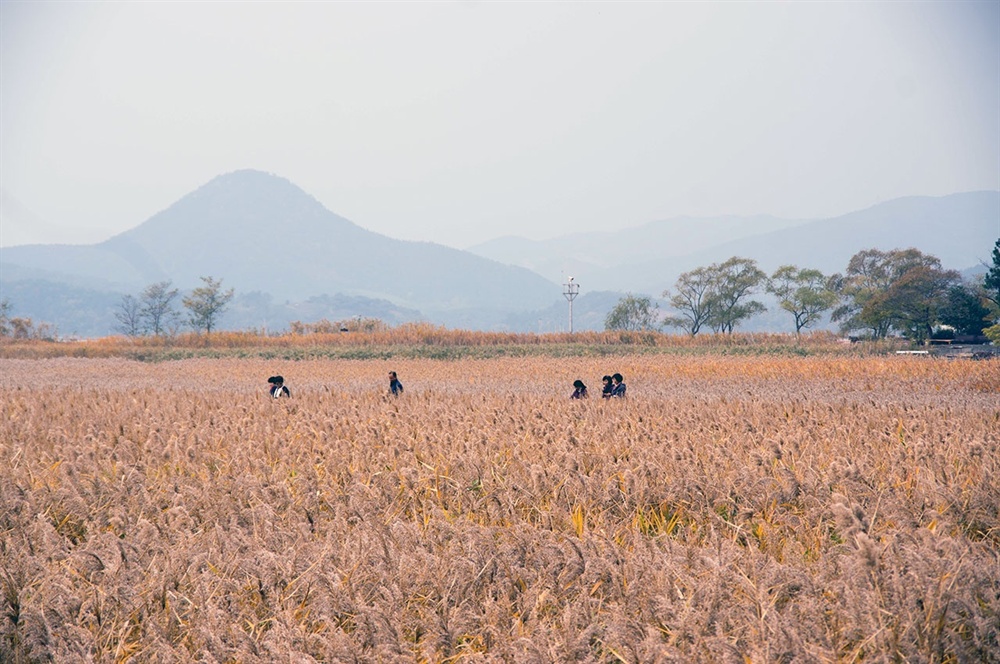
point(247, 176)
point(261, 232)
point(253, 187)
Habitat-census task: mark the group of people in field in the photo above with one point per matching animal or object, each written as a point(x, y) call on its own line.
point(279, 389)
point(614, 388)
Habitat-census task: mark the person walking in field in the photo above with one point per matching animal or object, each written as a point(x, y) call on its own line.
point(395, 387)
point(608, 387)
point(579, 390)
point(618, 388)
point(278, 388)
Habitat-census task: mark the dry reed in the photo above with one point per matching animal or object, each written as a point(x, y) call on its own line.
point(730, 510)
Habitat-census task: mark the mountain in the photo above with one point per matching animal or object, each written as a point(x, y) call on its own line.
point(289, 258)
point(583, 255)
point(259, 232)
point(74, 311)
point(959, 229)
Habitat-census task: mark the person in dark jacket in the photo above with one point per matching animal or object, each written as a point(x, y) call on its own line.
point(608, 387)
point(394, 385)
point(579, 390)
point(618, 391)
point(278, 388)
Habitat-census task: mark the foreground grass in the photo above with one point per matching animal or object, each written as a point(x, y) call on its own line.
point(761, 509)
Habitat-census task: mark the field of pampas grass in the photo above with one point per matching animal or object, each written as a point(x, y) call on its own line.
point(731, 509)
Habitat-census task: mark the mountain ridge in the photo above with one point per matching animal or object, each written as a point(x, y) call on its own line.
point(260, 232)
point(280, 248)
point(582, 253)
point(948, 227)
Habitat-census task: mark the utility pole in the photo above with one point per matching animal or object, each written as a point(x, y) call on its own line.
point(572, 290)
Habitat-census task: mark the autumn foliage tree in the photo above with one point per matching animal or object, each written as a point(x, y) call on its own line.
point(917, 299)
point(903, 290)
point(22, 328)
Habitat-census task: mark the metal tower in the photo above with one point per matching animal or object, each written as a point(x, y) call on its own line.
point(572, 290)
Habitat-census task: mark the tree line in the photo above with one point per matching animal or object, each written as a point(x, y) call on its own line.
point(154, 310)
point(20, 327)
point(902, 291)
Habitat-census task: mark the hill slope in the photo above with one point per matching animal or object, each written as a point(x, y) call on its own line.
point(959, 229)
point(584, 255)
point(259, 232)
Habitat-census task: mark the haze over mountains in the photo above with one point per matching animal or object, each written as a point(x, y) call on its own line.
point(289, 258)
point(586, 255)
point(959, 229)
point(259, 232)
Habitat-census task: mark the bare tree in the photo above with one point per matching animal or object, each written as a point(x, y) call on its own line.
point(5, 308)
point(157, 307)
point(129, 317)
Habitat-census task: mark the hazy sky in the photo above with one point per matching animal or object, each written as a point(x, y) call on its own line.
point(457, 122)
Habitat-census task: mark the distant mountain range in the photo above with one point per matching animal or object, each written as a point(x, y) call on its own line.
point(587, 255)
point(260, 233)
point(959, 229)
point(289, 258)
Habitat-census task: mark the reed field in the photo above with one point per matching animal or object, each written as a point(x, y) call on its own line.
point(734, 508)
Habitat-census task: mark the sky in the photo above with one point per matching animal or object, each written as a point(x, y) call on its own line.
point(459, 122)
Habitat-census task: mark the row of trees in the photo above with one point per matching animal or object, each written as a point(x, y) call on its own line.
point(901, 291)
point(18, 327)
point(154, 310)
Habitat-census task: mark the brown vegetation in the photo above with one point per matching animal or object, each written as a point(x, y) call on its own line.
point(372, 339)
point(732, 509)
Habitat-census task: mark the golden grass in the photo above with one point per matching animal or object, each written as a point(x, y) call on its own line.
point(817, 509)
point(422, 340)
